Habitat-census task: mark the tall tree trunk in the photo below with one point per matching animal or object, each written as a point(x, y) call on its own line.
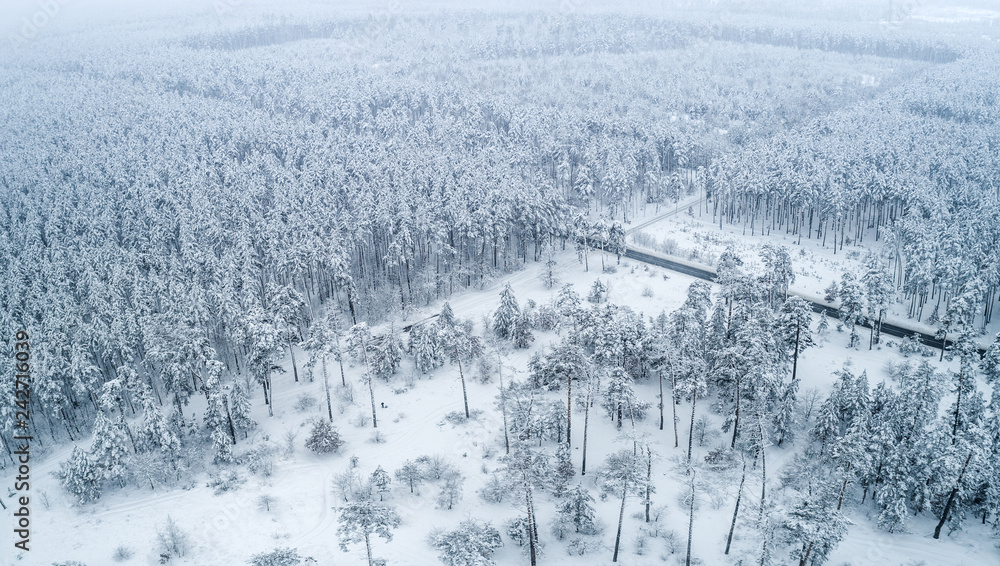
point(371, 383)
point(569, 406)
point(805, 556)
point(340, 360)
point(621, 518)
point(673, 405)
point(843, 486)
point(736, 420)
point(368, 547)
point(687, 560)
point(649, 479)
point(465, 396)
point(326, 388)
point(694, 402)
point(531, 523)
point(586, 421)
point(951, 498)
point(291, 352)
point(661, 399)
point(795, 356)
point(736, 510)
point(503, 405)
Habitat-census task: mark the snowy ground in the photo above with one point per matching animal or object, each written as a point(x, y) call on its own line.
point(227, 529)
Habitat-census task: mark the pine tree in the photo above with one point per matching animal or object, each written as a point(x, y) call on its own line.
point(620, 477)
point(522, 335)
point(410, 474)
point(879, 291)
point(814, 530)
point(110, 448)
point(323, 438)
point(619, 398)
point(568, 302)
point(381, 481)
point(425, 348)
point(153, 432)
point(81, 476)
point(360, 520)
point(471, 544)
point(598, 292)
point(240, 407)
point(563, 470)
point(215, 412)
point(506, 317)
point(576, 512)
point(852, 306)
point(450, 492)
point(222, 446)
point(795, 334)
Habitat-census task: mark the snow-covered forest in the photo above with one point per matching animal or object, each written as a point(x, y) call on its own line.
point(572, 284)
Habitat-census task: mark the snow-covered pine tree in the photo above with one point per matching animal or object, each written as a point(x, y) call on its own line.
point(221, 446)
point(620, 476)
point(568, 303)
point(813, 529)
point(619, 397)
point(471, 544)
point(424, 348)
point(323, 438)
point(359, 520)
point(411, 474)
point(795, 336)
point(110, 448)
point(880, 292)
point(240, 408)
point(505, 318)
point(575, 513)
point(153, 433)
point(522, 335)
point(81, 476)
point(852, 306)
point(562, 470)
point(381, 481)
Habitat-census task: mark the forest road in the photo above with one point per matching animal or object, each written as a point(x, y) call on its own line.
point(822, 308)
point(677, 208)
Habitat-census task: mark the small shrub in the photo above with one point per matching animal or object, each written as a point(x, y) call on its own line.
point(265, 502)
point(259, 459)
point(290, 436)
point(123, 553)
point(323, 438)
point(377, 437)
point(458, 417)
point(598, 292)
point(305, 402)
point(360, 420)
point(647, 291)
point(172, 540)
point(225, 480)
point(277, 557)
point(435, 467)
point(580, 546)
point(495, 490)
point(345, 394)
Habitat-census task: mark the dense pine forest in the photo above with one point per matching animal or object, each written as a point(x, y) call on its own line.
point(199, 218)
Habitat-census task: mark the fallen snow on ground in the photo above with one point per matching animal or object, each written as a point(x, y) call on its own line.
point(227, 529)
